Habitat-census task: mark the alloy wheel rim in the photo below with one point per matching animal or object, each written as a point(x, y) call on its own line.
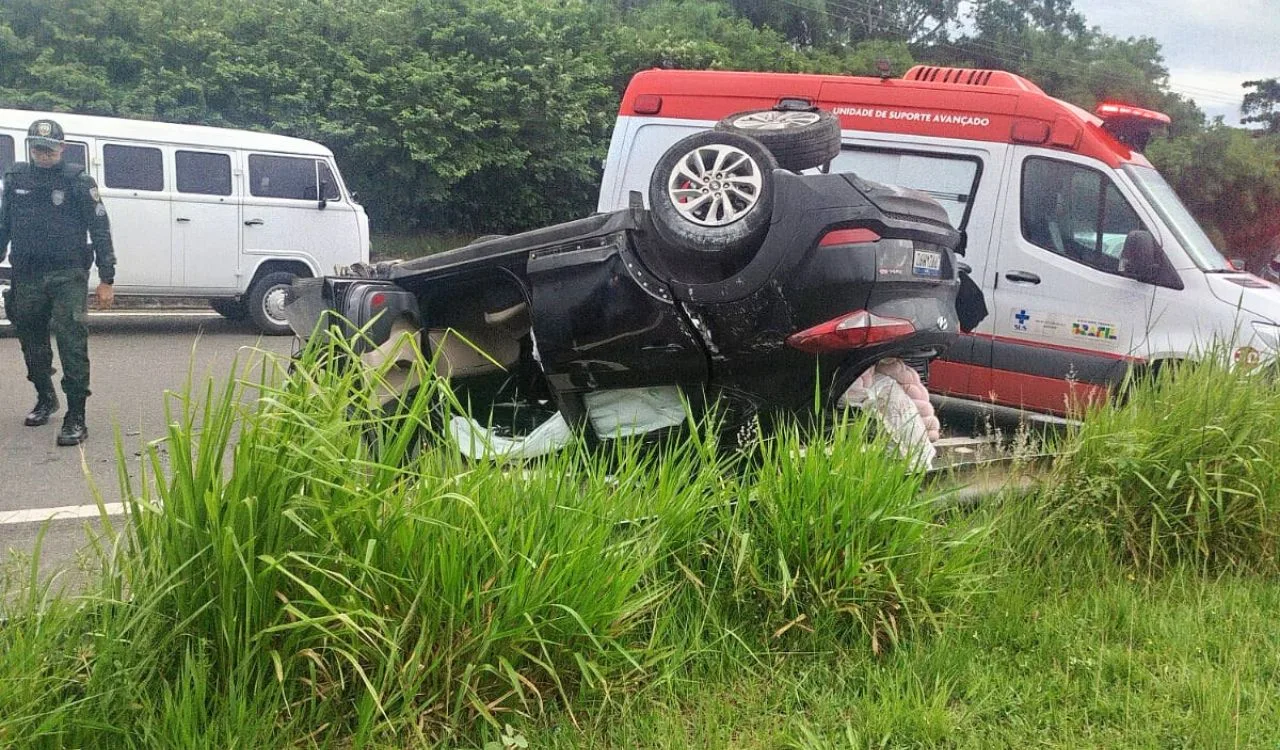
point(775, 120)
point(715, 185)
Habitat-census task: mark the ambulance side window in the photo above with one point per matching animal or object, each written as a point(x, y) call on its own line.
point(950, 180)
point(1075, 212)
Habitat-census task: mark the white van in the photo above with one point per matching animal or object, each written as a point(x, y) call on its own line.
point(1088, 263)
point(231, 216)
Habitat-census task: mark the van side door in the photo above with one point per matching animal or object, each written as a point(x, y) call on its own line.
point(1067, 324)
point(206, 220)
point(137, 192)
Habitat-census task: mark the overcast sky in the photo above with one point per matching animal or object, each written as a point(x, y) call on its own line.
point(1210, 46)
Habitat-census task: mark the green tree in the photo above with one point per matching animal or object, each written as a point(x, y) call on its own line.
point(1262, 105)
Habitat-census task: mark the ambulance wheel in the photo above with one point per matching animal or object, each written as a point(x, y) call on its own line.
point(265, 302)
point(711, 197)
point(230, 309)
point(798, 139)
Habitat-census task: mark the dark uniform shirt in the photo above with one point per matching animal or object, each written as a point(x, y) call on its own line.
point(46, 214)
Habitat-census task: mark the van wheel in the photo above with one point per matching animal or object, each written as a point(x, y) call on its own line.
point(229, 308)
point(799, 140)
point(711, 196)
point(266, 302)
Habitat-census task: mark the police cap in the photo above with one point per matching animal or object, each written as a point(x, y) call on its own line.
point(44, 134)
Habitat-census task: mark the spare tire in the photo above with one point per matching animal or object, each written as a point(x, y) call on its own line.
point(798, 139)
point(711, 196)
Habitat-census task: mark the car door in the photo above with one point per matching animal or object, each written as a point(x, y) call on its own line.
point(1066, 323)
point(206, 220)
point(137, 195)
point(295, 208)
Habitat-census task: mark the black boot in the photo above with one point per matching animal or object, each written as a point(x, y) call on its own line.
point(46, 406)
point(73, 431)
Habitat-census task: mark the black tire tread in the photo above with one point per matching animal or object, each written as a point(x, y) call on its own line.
point(797, 148)
point(253, 301)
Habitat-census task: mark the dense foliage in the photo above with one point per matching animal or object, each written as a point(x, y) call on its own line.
point(494, 115)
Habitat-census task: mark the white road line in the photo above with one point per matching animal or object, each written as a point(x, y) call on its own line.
point(66, 512)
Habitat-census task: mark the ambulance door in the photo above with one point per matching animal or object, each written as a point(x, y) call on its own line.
point(1067, 324)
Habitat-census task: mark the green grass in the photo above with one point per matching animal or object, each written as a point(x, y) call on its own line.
point(312, 569)
point(392, 246)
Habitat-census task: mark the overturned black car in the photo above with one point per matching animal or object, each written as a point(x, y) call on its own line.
point(745, 286)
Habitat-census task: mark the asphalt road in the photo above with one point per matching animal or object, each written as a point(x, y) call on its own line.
point(136, 359)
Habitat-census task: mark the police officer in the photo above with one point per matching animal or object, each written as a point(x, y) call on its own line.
point(46, 211)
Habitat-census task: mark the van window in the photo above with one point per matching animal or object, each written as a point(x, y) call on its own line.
point(290, 177)
point(203, 173)
point(132, 167)
point(1075, 212)
point(328, 184)
point(950, 180)
point(6, 152)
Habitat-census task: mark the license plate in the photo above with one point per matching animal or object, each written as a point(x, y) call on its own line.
point(927, 263)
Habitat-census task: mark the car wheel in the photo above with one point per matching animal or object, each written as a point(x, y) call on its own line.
point(266, 301)
point(229, 308)
point(799, 140)
point(711, 196)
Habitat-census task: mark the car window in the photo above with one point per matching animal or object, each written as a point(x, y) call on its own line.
point(291, 177)
point(132, 167)
point(203, 173)
point(950, 180)
point(1075, 212)
point(7, 154)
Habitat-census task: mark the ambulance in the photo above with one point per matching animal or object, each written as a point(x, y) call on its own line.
point(1089, 265)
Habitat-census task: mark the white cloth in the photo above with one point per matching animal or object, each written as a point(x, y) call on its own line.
point(883, 391)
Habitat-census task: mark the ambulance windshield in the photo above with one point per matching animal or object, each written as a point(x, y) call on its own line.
point(1178, 218)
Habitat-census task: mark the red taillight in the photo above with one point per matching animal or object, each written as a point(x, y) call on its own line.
point(848, 237)
point(647, 104)
point(850, 331)
point(378, 300)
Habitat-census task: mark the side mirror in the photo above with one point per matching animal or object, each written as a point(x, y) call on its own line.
point(1239, 264)
point(1141, 258)
point(322, 192)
